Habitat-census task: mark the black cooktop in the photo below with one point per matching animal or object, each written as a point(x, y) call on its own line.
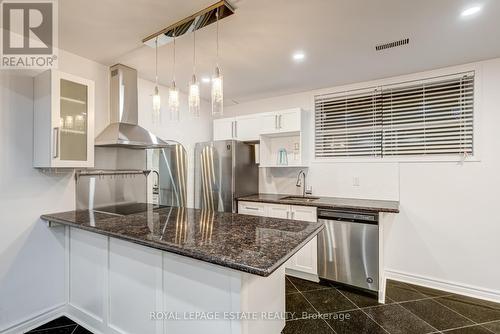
point(129, 208)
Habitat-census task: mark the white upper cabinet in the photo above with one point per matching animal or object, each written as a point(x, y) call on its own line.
point(247, 128)
point(287, 120)
point(284, 135)
point(250, 127)
point(224, 129)
point(63, 121)
point(244, 128)
point(269, 123)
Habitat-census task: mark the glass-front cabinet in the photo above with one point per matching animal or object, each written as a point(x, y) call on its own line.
point(63, 121)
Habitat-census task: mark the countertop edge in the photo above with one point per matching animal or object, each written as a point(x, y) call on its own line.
point(317, 205)
point(193, 255)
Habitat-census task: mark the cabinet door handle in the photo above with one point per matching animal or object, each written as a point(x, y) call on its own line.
point(55, 143)
point(235, 129)
point(279, 121)
point(276, 122)
point(287, 214)
point(293, 215)
point(232, 129)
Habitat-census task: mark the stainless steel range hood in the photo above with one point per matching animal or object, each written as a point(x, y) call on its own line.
point(124, 130)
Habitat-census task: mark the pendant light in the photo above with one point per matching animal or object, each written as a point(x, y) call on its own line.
point(217, 81)
point(194, 86)
point(173, 94)
point(156, 93)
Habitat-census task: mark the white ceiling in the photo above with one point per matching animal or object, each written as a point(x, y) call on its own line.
point(257, 42)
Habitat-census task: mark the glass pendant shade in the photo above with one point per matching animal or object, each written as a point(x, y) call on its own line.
point(156, 106)
point(156, 94)
point(173, 102)
point(194, 97)
point(217, 93)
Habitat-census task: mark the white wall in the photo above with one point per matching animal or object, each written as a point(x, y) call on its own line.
point(31, 255)
point(188, 131)
point(448, 228)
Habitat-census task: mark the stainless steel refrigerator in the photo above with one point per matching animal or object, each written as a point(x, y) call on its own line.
point(224, 171)
point(169, 175)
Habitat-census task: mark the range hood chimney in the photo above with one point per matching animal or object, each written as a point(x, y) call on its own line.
point(124, 130)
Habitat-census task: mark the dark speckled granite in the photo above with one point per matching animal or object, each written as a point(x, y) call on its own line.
point(256, 245)
point(328, 202)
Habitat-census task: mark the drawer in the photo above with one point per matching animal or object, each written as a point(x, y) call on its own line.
point(251, 208)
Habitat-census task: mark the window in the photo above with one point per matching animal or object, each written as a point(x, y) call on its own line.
point(429, 117)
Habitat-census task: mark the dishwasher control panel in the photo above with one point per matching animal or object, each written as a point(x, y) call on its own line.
point(344, 215)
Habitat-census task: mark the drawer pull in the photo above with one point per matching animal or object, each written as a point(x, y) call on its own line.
point(251, 208)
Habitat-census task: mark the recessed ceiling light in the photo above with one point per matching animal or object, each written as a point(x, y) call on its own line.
point(299, 56)
point(470, 11)
point(205, 79)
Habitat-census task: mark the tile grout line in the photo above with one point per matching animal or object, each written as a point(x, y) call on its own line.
point(385, 330)
point(468, 326)
point(307, 300)
point(399, 303)
point(74, 329)
point(406, 301)
point(437, 301)
point(474, 323)
point(428, 298)
point(487, 323)
point(436, 329)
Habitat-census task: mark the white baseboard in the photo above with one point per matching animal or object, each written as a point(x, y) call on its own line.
point(302, 275)
point(453, 287)
point(35, 320)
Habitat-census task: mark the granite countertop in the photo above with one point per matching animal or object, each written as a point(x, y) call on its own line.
point(256, 245)
point(328, 202)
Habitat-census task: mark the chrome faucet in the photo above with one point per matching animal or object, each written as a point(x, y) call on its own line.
point(301, 183)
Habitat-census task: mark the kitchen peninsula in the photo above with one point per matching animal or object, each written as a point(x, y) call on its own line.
point(165, 262)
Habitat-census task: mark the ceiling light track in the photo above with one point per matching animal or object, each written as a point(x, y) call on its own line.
point(191, 23)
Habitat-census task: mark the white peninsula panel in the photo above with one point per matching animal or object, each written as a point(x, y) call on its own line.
point(119, 287)
point(135, 274)
point(87, 263)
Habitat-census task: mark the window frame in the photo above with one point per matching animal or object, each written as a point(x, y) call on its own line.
point(402, 80)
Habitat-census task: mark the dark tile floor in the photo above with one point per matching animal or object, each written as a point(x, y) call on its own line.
point(330, 308)
point(326, 308)
point(60, 325)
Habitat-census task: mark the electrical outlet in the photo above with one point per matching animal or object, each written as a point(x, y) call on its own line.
point(355, 181)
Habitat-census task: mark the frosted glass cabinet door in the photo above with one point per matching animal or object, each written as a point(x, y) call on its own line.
point(63, 133)
point(73, 121)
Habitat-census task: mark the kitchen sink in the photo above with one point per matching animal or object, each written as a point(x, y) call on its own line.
point(300, 198)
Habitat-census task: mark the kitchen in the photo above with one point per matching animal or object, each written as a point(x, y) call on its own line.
point(347, 213)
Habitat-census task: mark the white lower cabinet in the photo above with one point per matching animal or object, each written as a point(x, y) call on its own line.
point(277, 211)
point(306, 213)
point(304, 264)
point(252, 209)
point(119, 287)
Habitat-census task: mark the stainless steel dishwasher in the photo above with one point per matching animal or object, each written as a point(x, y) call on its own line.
point(348, 248)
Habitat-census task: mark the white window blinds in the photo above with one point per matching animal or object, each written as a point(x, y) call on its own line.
point(428, 117)
point(348, 125)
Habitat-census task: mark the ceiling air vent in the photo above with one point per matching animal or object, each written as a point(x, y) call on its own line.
point(394, 44)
